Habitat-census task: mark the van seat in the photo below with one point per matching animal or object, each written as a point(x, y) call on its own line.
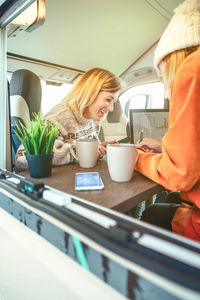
point(116, 125)
point(25, 99)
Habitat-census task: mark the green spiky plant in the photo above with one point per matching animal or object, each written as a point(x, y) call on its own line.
point(38, 137)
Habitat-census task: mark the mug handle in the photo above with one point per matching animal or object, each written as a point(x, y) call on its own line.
point(72, 150)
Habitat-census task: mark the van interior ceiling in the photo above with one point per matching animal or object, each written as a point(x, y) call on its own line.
point(85, 34)
point(86, 244)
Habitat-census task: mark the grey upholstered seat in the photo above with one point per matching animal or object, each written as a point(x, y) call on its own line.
point(25, 99)
point(116, 125)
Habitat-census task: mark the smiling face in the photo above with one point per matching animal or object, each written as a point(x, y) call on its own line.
point(103, 103)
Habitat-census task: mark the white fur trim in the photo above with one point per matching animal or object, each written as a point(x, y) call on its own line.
point(183, 30)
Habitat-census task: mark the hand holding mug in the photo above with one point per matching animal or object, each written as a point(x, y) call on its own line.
point(102, 148)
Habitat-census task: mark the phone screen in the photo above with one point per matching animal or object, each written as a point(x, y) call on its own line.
point(88, 181)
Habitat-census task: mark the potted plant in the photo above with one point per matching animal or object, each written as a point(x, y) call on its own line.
point(38, 139)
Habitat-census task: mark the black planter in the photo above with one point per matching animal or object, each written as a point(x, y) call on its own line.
point(40, 165)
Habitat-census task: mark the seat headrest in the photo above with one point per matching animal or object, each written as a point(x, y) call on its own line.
point(27, 85)
point(115, 115)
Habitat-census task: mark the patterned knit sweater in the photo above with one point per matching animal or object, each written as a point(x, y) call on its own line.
point(71, 127)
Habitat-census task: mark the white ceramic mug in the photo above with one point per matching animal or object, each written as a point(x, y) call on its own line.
point(121, 159)
point(87, 152)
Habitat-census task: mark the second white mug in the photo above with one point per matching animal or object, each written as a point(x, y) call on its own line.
point(121, 159)
point(87, 152)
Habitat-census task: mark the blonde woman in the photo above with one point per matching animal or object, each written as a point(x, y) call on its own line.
point(175, 165)
point(79, 114)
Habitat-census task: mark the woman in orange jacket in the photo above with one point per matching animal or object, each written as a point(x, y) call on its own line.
point(177, 165)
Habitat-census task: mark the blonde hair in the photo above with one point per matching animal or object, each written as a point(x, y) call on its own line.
point(172, 63)
point(89, 85)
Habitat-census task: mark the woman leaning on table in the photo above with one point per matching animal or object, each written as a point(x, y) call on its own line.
point(177, 167)
point(79, 113)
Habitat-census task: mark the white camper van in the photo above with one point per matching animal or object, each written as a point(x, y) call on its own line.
point(57, 243)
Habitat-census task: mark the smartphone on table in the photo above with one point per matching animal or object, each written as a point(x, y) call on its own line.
point(88, 181)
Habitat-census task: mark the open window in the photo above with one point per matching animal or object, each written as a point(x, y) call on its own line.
point(143, 96)
point(52, 94)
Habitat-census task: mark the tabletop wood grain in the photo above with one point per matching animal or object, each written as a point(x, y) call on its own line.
point(119, 196)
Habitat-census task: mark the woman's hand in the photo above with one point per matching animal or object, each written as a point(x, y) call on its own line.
point(150, 145)
point(102, 148)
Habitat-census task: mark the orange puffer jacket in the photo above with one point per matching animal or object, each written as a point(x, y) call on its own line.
point(177, 168)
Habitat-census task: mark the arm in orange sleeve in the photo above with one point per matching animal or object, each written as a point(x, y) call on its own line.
point(178, 167)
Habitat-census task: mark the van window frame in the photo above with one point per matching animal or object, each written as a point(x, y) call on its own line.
point(126, 103)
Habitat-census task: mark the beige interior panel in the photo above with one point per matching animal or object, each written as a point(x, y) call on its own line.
point(41, 70)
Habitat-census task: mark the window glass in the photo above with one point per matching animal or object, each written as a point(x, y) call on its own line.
point(9, 76)
point(137, 101)
point(52, 95)
point(150, 95)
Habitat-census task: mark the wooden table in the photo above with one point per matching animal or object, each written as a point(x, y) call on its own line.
point(119, 196)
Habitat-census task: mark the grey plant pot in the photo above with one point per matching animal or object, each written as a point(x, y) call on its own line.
point(40, 166)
